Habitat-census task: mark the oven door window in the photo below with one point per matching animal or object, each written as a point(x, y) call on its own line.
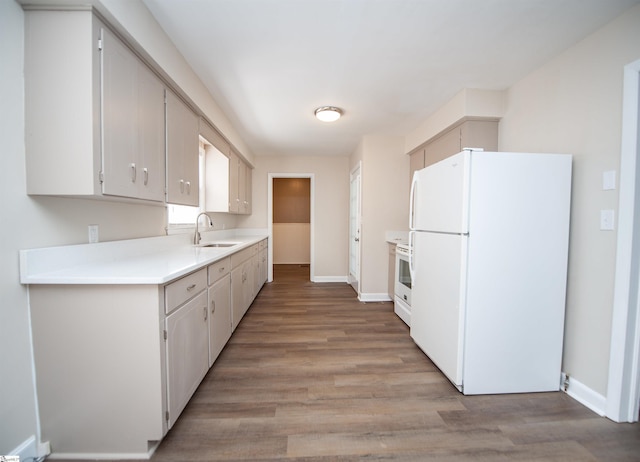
point(404, 277)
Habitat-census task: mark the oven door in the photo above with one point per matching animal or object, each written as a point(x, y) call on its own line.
point(402, 286)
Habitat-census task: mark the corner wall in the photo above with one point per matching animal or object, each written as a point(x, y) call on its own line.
point(385, 207)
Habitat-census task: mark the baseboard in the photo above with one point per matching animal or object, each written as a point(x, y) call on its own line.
point(107, 456)
point(29, 449)
point(373, 297)
point(329, 279)
point(99, 456)
point(585, 395)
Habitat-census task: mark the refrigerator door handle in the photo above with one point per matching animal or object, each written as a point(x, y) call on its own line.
point(414, 183)
point(411, 240)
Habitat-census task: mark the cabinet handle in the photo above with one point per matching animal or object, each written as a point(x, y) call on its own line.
point(146, 175)
point(221, 270)
point(191, 287)
point(205, 313)
point(181, 186)
point(213, 306)
point(133, 172)
point(188, 187)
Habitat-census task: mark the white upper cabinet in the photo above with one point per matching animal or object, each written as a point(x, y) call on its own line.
point(133, 124)
point(182, 152)
point(94, 111)
point(62, 103)
point(227, 176)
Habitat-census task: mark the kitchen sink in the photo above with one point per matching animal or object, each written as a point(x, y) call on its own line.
point(219, 244)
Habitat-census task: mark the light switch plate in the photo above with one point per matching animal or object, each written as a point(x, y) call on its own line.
point(607, 218)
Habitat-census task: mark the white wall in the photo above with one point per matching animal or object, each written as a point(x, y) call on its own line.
point(17, 398)
point(573, 104)
point(385, 206)
point(330, 220)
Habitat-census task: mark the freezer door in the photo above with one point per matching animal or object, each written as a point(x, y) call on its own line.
point(439, 196)
point(437, 300)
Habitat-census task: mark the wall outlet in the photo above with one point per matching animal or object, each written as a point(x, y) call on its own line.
point(93, 234)
point(609, 180)
point(607, 218)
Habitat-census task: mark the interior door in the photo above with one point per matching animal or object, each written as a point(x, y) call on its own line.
point(354, 229)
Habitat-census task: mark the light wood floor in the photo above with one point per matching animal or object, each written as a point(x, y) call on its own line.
point(313, 375)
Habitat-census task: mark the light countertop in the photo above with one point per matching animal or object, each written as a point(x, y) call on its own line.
point(397, 237)
point(155, 260)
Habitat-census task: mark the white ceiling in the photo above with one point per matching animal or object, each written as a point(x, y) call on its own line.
point(388, 63)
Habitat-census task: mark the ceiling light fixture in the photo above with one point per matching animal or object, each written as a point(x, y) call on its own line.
point(328, 113)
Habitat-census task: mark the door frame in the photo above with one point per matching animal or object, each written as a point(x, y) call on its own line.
point(312, 199)
point(356, 282)
point(623, 390)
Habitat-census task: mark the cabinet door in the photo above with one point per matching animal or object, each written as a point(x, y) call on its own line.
point(416, 162)
point(442, 147)
point(264, 266)
point(257, 283)
point(479, 134)
point(187, 353)
point(234, 199)
point(247, 189)
point(132, 125)
point(119, 122)
point(182, 152)
point(242, 187)
point(151, 136)
point(248, 289)
point(237, 299)
point(219, 316)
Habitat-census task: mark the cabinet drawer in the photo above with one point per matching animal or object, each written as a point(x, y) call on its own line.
point(238, 258)
point(178, 292)
point(219, 269)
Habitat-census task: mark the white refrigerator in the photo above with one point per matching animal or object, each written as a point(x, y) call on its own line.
point(489, 233)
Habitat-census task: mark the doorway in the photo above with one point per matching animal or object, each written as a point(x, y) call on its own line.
point(623, 390)
point(355, 218)
point(290, 213)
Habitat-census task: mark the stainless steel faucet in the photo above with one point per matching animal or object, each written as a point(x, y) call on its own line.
point(196, 236)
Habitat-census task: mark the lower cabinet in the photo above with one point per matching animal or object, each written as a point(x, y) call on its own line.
point(246, 279)
point(187, 353)
point(117, 364)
